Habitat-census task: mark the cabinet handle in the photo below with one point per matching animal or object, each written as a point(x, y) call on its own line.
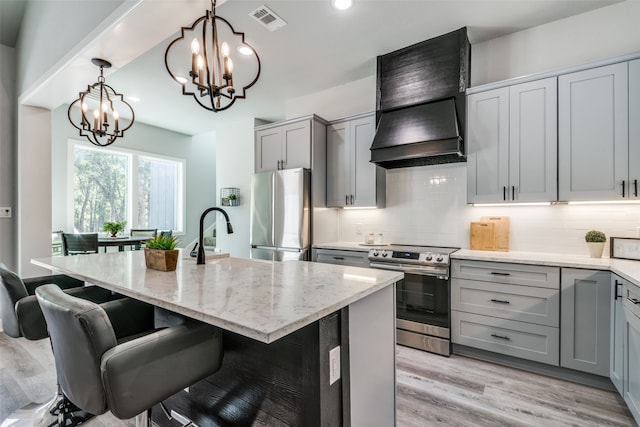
point(500, 301)
point(616, 295)
point(633, 300)
point(351, 201)
point(502, 337)
point(504, 193)
point(635, 187)
point(346, 199)
point(623, 182)
point(497, 273)
point(279, 161)
point(513, 193)
point(338, 257)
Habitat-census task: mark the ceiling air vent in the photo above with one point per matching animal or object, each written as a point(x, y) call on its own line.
point(268, 18)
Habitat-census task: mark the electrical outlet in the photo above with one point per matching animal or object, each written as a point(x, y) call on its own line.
point(334, 365)
point(359, 229)
point(5, 212)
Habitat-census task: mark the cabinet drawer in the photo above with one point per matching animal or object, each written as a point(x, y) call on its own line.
point(511, 302)
point(631, 294)
point(525, 340)
point(504, 272)
point(352, 258)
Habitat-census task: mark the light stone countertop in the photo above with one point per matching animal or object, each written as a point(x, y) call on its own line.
point(263, 300)
point(629, 270)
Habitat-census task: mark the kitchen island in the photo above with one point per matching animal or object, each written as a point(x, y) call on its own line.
point(305, 343)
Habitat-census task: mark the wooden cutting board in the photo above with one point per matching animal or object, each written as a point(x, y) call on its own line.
point(482, 236)
point(502, 233)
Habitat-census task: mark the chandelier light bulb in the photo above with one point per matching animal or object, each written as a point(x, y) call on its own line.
point(230, 66)
point(195, 46)
point(225, 49)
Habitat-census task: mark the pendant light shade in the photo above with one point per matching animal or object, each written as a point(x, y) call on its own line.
point(99, 112)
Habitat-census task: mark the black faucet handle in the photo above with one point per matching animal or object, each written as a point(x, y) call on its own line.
point(194, 251)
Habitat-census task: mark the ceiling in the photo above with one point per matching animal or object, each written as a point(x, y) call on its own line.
point(319, 48)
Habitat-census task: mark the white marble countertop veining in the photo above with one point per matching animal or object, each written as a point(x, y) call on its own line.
point(263, 300)
point(629, 270)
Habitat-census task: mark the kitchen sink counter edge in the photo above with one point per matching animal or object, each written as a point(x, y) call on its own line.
point(263, 300)
point(627, 269)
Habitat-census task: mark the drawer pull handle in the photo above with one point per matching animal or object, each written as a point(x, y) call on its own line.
point(338, 257)
point(502, 337)
point(500, 301)
point(617, 295)
point(497, 273)
point(634, 300)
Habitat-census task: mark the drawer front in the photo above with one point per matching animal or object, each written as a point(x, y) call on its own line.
point(352, 258)
point(512, 302)
point(525, 340)
point(631, 297)
point(504, 272)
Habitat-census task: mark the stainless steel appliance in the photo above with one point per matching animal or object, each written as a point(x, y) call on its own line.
point(280, 215)
point(423, 308)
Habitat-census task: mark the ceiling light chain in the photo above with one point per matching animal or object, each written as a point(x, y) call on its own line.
point(100, 98)
point(211, 71)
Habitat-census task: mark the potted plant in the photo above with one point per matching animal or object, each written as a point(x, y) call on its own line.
point(233, 200)
point(114, 227)
point(160, 253)
point(596, 240)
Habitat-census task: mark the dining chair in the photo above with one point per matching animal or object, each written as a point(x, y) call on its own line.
point(143, 232)
point(75, 244)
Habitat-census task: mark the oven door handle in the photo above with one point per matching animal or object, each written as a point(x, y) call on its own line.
point(409, 270)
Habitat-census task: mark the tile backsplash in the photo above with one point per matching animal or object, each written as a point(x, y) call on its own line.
point(427, 206)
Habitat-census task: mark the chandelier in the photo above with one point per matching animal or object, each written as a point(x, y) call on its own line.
point(96, 113)
point(203, 66)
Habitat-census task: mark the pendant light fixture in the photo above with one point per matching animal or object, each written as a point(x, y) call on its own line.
point(203, 65)
point(97, 112)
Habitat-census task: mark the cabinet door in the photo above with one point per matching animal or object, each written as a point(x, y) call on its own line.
point(634, 128)
point(584, 324)
point(337, 164)
point(268, 149)
point(616, 354)
point(632, 362)
point(488, 146)
point(363, 172)
point(296, 149)
point(533, 141)
point(593, 133)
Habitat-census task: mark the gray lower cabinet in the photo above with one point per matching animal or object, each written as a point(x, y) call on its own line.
point(585, 319)
point(342, 257)
point(631, 336)
point(506, 308)
point(616, 354)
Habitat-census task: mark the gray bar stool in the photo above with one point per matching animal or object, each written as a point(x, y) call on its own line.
point(109, 357)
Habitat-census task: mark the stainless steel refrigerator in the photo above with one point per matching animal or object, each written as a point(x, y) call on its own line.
point(280, 215)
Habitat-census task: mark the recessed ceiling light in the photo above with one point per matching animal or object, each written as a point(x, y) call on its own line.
point(181, 79)
point(133, 98)
point(245, 50)
point(342, 4)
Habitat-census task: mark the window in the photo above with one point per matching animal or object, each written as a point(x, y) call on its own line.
point(118, 185)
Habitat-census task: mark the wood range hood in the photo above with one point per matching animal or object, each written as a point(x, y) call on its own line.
point(420, 103)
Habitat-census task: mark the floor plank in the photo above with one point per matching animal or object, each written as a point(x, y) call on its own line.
point(431, 391)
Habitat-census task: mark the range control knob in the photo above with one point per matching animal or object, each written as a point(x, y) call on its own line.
point(439, 258)
point(429, 257)
point(384, 254)
point(375, 253)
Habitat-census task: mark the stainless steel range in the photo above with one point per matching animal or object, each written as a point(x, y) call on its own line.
point(423, 298)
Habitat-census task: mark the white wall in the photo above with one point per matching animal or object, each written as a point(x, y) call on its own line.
point(7, 137)
point(198, 152)
point(599, 34)
point(235, 154)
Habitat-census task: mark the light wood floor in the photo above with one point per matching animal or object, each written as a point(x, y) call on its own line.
point(432, 391)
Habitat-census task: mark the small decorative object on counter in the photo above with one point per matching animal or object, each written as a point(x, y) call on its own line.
point(114, 227)
point(596, 240)
point(230, 196)
point(160, 253)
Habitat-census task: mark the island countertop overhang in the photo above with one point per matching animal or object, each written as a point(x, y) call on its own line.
point(263, 300)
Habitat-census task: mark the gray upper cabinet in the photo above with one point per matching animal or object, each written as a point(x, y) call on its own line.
point(352, 180)
point(284, 147)
point(512, 142)
point(584, 321)
point(634, 129)
point(593, 126)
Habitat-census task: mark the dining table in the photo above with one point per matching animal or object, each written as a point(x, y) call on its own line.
point(121, 241)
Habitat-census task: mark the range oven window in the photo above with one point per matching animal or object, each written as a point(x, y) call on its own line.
point(423, 299)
